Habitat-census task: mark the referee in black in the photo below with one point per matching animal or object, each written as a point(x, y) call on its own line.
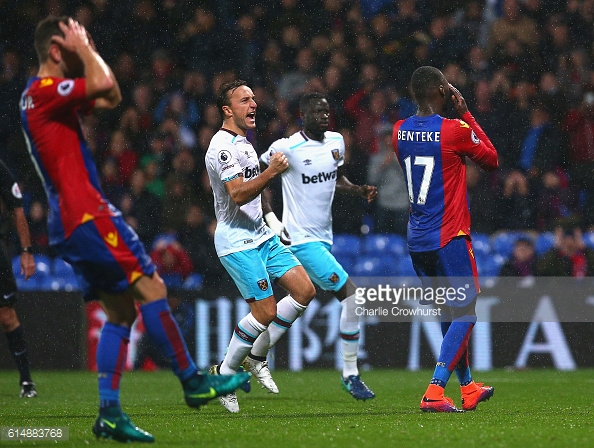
point(11, 202)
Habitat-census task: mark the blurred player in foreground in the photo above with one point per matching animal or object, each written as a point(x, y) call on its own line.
point(88, 232)
point(432, 150)
point(316, 171)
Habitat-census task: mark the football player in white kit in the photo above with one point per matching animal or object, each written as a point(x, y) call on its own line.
point(252, 254)
point(316, 160)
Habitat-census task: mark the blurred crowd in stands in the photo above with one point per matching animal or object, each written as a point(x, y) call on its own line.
point(524, 67)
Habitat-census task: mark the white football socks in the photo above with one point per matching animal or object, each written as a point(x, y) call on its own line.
point(287, 310)
point(246, 332)
point(349, 334)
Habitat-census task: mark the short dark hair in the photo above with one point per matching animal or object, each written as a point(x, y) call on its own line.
point(306, 100)
point(46, 28)
point(223, 97)
point(423, 80)
point(524, 239)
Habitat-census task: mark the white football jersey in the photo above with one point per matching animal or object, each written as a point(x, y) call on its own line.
point(238, 228)
point(309, 184)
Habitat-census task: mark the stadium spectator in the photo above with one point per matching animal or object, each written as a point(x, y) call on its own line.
point(521, 96)
point(557, 202)
point(38, 228)
point(368, 108)
point(178, 198)
point(125, 70)
point(478, 66)
point(171, 258)
point(405, 17)
point(285, 14)
point(202, 42)
point(522, 262)
point(540, 150)
point(518, 202)
point(579, 124)
point(142, 101)
point(575, 71)
point(553, 99)
point(555, 41)
point(391, 211)
point(569, 258)
point(292, 83)
point(383, 41)
point(152, 171)
point(197, 238)
point(580, 16)
point(271, 66)
point(111, 180)
point(485, 207)
point(512, 24)
point(470, 25)
point(493, 112)
point(182, 109)
point(441, 45)
point(121, 150)
point(146, 207)
point(12, 80)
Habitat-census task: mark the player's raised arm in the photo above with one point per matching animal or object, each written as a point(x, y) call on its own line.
point(475, 143)
point(101, 84)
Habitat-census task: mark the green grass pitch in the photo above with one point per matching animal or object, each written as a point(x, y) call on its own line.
point(532, 408)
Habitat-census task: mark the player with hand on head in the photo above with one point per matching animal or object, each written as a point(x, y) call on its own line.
point(251, 253)
point(432, 151)
point(316, 171)
point(12, 201)
point(88, 232)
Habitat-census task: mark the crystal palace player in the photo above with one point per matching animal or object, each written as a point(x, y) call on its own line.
point(308, 192)
point(88, 232)
point(432, 152)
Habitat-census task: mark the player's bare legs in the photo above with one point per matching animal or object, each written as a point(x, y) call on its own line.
point(301, 292)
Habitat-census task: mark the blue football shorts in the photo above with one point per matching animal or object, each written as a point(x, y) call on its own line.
point(320, 265)
point(106, 255)
point(451, 266)
point(253, 269)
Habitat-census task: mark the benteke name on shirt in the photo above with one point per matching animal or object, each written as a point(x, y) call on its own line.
point(418, 136)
